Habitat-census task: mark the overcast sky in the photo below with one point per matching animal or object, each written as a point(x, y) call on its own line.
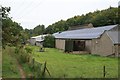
point(31, 13)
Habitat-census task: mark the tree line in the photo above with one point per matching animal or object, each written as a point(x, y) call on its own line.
point(97, 18)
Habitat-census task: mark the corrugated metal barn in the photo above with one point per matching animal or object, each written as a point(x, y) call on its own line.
point(81, 39)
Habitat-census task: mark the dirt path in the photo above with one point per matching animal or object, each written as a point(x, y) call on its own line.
point(22, 73)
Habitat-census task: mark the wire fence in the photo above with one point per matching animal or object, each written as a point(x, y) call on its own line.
point(39, 69)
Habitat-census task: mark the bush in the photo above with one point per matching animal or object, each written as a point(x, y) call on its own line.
point(49, 41)
point(16, 50)
point(28, 50)
point(22, 55)
point(23, 58)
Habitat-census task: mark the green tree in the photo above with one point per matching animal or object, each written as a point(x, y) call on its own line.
point(38, 30)
point(11, 30)
point(49, 41)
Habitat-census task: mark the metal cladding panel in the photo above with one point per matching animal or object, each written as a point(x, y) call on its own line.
point(114, 35)
point(39, 38)
point(87, 33)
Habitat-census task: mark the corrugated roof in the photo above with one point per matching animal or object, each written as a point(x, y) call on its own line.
point(87, 33)
point(114, 36)
point(39, 38)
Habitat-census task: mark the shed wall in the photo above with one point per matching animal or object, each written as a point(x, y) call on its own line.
point(88, 45)
point(60, 44)
point(103, 46)
point(39, 44)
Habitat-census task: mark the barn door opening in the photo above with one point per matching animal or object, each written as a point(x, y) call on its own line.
point(68, 46)
point(79, 46)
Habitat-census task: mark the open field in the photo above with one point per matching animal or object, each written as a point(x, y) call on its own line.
point(76, 66)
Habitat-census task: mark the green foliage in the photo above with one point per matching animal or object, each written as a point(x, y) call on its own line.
point(39, 29)
point(28, 33)
point(49, 41)
point(23, 54)
point(97, 18)
point(28, 50)
point(11, 30)
point(23, 58)
point(58, 26)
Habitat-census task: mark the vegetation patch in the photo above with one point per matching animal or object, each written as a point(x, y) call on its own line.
point(9, 66)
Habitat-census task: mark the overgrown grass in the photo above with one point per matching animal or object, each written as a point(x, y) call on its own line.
point(10, 63)
point(9, 66)
point(76, 66)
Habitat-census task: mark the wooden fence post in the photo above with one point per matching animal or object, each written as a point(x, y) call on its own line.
point(104, 71)
point(43, 74)
point(48, 72)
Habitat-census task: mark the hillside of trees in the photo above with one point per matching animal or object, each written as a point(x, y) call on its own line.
point(97, 18)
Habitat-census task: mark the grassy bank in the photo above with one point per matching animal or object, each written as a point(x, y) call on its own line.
point(9, 66)
point(75, 66)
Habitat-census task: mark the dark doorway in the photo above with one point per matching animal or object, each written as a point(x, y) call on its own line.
point(68, 46)
point(79, 46)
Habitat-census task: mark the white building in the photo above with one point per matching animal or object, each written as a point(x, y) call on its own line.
point(37, 40)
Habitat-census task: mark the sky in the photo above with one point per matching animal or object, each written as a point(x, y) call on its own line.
point(30, 13)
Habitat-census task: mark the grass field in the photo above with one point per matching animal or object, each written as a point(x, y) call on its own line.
point(9, 66)
point(76, 66)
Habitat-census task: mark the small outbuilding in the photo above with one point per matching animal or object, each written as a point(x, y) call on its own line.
point(37, 40)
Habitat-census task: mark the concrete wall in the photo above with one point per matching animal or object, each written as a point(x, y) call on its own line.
point(103, 46)
point(88, 45)
point(60, 44)
point(39, 44)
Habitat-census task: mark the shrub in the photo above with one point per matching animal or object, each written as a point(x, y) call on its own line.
point(21, 54)
point(49, 41)
point(28, 50)
point(16, 50)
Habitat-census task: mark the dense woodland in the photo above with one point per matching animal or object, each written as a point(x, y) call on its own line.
point(13, 33)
